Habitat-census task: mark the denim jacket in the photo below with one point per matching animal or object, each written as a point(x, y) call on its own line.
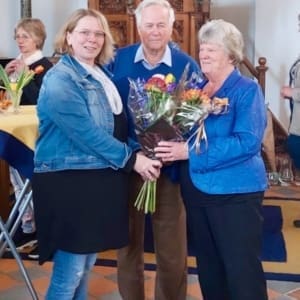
point(76, 123)
point(230, 161)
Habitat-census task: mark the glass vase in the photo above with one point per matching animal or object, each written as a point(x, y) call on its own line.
point(15, 98)
point(285, 172)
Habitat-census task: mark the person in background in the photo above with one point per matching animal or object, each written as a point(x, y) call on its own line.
point(77, 212)
point(154, 55)
point(30, 35)
point(223, 185)
point(292, 93)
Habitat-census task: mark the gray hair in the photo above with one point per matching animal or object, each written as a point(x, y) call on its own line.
point(146, 3)
point(226, 35)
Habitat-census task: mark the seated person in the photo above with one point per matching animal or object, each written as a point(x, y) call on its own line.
point(30, 35)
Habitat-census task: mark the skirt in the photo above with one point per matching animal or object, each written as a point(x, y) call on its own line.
point(80, 211)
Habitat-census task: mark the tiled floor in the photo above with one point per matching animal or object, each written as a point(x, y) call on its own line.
point(103, 283)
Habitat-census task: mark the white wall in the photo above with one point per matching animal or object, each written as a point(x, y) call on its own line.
point(53, 13)
point(278, 39)
point(242, 14)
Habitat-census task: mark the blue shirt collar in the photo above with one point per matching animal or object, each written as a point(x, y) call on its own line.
point(166, 59)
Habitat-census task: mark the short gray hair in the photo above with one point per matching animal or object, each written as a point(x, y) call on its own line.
point(146, 3)
point(226, 35)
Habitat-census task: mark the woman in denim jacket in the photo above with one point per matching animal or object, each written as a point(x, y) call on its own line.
point(223, 184)
point(83, 157)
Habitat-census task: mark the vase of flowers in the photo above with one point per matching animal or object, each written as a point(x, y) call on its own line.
point(14, 96)
point(14, 86)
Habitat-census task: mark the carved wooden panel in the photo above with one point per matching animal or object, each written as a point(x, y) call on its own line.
point(113, 7)
point(122, 28)
point(181, 32)
point(177, 5)
point(190, 15)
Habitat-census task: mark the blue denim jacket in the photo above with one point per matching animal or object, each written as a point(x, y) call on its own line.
point(76, 123)
point(230, 162)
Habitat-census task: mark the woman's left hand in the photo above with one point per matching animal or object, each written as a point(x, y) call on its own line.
point(171, 151)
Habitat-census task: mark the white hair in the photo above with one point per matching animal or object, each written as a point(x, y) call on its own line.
point(146, 3)
point(226, 35)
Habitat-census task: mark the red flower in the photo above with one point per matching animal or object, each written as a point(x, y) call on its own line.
point(156, 83)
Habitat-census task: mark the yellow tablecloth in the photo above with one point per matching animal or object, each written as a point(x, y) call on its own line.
point(22, 125)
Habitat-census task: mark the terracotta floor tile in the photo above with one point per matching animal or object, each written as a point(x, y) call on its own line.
point(295, 294)
point(273, 295)
point(101, 286)
point(149, 287)
point(41, 284)
point(103, 283)
point(6, 282)
point(194, 290)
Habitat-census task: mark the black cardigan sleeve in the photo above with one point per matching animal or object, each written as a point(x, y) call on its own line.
point(31, 91)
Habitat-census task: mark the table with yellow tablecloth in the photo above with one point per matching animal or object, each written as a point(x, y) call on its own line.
point(18, 133)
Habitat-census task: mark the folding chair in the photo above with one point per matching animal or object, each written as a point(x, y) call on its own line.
point(8, 229)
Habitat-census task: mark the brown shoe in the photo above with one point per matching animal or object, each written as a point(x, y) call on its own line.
point(297, 223)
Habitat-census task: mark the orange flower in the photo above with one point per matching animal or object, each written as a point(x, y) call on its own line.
point(4, 102)
point(195, 96)
point(38, 69)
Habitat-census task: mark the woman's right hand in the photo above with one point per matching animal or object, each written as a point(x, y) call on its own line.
point(15, 66)
point(286, 92)
point(148, 168)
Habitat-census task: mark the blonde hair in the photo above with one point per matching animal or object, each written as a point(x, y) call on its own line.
point(61, 45)
point(35, 28)
point(226, 35)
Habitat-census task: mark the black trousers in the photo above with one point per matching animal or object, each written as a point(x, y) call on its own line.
point(227, 238)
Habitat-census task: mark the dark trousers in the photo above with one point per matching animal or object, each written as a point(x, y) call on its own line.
point(293, 144)
point(227, 239)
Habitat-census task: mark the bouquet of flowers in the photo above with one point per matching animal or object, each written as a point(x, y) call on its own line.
point(164, 110)
point(152, 107)
point(193, 108)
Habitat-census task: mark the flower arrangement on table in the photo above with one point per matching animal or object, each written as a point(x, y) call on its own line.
point(4, 102)
point(14, 86)
point(164, 110)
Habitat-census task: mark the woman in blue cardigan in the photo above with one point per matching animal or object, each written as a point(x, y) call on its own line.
point(223, 185)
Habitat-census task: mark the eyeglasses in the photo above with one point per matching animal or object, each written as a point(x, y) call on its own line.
point(87, 34)
point(22, 37)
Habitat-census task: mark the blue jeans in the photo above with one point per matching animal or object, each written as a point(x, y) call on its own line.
point(70, 275)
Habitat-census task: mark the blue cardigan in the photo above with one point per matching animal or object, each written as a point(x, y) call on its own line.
point(231, 161)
